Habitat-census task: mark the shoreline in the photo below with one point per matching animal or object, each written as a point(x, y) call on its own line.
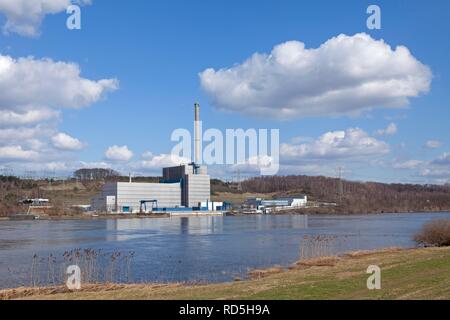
point(162, 216)
point(315, 278)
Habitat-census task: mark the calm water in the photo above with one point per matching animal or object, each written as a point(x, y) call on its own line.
point(198, 249)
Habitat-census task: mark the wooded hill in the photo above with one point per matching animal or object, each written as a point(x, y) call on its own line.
point(356, 197)
point(350, 196)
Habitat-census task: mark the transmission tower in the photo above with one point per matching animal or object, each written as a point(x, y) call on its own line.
point(239, 181)
point(340, 190)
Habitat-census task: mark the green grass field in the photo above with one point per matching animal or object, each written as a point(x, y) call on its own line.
point(406, 274)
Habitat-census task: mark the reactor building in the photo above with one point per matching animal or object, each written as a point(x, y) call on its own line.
point(184, 188)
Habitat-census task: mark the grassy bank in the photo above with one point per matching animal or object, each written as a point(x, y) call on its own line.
point(406, 274)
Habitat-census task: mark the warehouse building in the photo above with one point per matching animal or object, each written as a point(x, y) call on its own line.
point(259, 205)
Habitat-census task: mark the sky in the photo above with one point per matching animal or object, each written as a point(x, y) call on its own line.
point(373, 102)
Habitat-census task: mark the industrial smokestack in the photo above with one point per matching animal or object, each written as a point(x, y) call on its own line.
point(197, 134)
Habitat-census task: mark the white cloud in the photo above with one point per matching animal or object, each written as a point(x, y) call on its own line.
point(27, 117)
point(59, 167)
point(254, 165)
point(390, 130)
point(410, 164)
point(24, 17)
point(433, 144)
point(36, 86)
point(32, 94)
point(151, 161)
point(16, 153)
point(352, 143)
point(443, 160)
point(345, 75)
point(65, 142)
point(439, 173)
point(116, 153)
point(17, 135)
point(438, 169)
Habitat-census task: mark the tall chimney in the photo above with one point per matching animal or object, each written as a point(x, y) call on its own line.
point(197, 134)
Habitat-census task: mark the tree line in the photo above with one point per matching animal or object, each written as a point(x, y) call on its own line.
point(356, 197)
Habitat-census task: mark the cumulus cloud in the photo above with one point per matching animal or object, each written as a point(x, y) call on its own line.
point(433, 144)
point(255, 165)
point(63, 141)
point(17, 135)
point(410, 164)
point(16, 153)
point(32, 87)
point(27, 117)
point(443, 160)
point(351, 143)
point(24, 17)
point(33, 92)
point(438, 169)
point(390, 130)
point(151, 161)
point(345, 75)
point(116, 153)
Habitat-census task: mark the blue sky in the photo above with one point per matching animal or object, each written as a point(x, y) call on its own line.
point(156, 51)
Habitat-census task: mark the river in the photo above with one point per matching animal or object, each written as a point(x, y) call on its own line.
point(205, 249)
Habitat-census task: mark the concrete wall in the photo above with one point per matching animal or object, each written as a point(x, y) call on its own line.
point(299, 202)
point(130, 194)
point(174, 173)
point(115, 196)
point(196, 189)
point(190, 191)
point(104, 201)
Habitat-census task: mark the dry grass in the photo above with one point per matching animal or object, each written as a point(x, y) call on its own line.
point(365, 253)
point(22, 293)
point(263, 273)
point(319, 262)
point(406, 274)
point(435, 234)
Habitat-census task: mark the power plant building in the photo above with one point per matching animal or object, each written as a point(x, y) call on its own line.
point(195, 183)
point(125, 197)
point(185, 187)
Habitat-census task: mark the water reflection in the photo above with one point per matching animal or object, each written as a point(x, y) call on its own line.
point(128, 229)
point(200, 248)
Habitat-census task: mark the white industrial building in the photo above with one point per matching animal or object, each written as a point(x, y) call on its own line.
point(259, 205)
point(125, 197)
point(183, 188)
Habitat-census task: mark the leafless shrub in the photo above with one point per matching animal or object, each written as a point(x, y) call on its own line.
point(96, 267)
point(434, 234)
point(318, 246)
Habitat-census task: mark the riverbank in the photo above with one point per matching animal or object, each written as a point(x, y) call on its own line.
point(406, 274)
point(310, 212)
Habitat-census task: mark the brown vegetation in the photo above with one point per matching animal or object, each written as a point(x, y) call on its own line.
point(415, 274)
point(436, 233)
point(319, 262)
point(262, 273)
point(356, 197)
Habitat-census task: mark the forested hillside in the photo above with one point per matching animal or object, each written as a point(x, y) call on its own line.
point(356, 197)
point(350, 196)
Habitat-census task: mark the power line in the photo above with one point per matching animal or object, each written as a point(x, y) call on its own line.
point(340, 190)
